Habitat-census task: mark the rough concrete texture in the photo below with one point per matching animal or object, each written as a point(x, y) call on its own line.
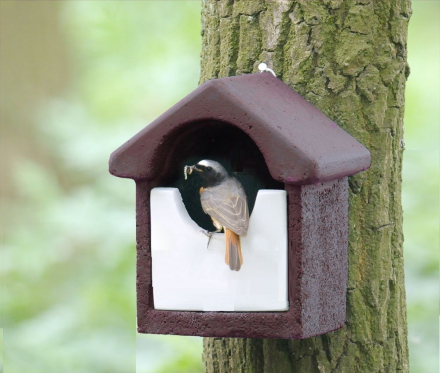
point(299, 143)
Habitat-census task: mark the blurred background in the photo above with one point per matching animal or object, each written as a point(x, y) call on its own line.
point(79, 78)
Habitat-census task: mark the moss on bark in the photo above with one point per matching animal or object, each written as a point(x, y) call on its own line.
point(349, 58)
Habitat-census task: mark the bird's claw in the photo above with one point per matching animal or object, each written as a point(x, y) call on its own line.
point(207, 233)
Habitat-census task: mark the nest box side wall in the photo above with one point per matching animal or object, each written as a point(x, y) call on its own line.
point(144, 288)
point(318, 249)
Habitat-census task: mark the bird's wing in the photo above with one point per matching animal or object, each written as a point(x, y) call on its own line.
point(228, 205)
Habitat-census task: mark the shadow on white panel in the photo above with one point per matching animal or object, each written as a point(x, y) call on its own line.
point(189, 276)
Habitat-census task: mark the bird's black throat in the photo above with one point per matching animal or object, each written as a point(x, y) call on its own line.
point(209, 181)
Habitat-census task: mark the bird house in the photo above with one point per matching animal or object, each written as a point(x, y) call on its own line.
point(293, 163)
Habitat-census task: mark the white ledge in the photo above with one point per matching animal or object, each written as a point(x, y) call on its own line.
point(188, 276)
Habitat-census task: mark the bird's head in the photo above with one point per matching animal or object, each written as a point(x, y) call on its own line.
point(211, 172)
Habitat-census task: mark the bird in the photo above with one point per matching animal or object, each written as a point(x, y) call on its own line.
point(224, 199)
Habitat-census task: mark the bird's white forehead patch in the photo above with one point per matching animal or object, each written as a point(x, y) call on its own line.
point(204, 163)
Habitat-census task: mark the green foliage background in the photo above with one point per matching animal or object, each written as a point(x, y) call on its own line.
point(78, 79)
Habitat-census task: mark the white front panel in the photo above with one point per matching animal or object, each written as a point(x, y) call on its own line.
point(189, 276)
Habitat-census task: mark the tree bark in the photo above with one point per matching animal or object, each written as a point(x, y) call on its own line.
point(349, 58)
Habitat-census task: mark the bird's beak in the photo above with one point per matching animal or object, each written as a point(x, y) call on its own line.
point(188, 170)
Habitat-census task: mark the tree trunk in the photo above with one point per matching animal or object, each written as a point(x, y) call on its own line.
point(349, 59)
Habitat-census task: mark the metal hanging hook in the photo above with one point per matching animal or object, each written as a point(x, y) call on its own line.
point(263, 67)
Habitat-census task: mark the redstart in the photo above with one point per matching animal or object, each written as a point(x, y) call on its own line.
point(224, 200)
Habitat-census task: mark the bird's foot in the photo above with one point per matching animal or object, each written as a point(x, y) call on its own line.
point(209, 234)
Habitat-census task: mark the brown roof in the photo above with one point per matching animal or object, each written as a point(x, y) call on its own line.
point(299, 143)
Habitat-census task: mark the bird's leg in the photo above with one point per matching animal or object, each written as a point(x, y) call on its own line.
point(209, 234)
point(219, 227)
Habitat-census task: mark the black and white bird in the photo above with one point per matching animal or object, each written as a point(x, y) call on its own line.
point(224, 200)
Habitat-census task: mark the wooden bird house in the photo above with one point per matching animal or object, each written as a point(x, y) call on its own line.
point(294, 164)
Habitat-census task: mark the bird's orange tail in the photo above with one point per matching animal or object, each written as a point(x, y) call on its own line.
point(234, 257)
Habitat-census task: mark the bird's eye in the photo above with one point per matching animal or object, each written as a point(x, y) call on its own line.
point(209, 168)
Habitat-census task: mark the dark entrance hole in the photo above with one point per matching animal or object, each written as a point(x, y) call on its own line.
point(223, 143)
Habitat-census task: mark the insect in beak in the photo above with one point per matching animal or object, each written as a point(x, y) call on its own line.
point(187, 170)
